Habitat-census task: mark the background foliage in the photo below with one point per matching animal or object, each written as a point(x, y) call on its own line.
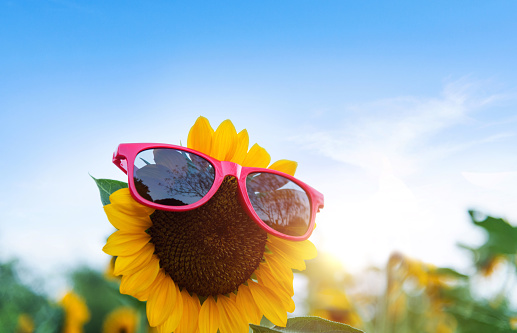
point(406, 295)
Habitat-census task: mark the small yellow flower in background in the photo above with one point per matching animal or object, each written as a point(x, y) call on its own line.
point(513, 323)
point(333, 304)
point(121, 320)
point(25, 324)
point(402, 269)
point(76, 313)
point(211, 268)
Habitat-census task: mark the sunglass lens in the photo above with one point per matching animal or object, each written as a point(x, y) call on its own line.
point(279, 202)
point(172, 177)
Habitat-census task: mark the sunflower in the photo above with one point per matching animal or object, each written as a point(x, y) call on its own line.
point(121, 320)
point(211, 268)
point(76, 313)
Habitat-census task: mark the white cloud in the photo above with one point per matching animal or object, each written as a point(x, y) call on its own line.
point(405, 129)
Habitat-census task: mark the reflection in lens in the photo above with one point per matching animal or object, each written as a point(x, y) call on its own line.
point(279, 202)
point(172, 177)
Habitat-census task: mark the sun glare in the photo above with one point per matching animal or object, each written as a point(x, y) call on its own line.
point(386, 219)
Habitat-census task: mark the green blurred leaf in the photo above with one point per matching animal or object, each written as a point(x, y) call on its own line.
point(445, 271)
point(478, 316)
point(17, 298)
point(306, 325)
point(262, 329)
point(501, 241)
point(107, 187)
point(49, 319)
point(502, 236)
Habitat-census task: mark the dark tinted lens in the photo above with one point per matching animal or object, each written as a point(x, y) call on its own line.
point(279, 202)
point(172, 177)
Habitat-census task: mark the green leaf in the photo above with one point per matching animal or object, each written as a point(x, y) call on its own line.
point(450, 272)
point(107, 187)
point(502, 236)
point(307, 325)
point(262, 329)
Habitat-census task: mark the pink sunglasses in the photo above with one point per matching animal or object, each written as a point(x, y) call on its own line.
point(177, 179)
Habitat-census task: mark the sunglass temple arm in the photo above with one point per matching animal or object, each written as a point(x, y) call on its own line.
point(120, 162)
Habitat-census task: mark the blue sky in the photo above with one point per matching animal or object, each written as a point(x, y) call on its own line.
point(403, 114)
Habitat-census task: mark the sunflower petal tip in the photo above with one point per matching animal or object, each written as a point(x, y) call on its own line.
point(200, 135)
point(286, 166)
point(224, 141)
point(257, 157)
point(227, 121)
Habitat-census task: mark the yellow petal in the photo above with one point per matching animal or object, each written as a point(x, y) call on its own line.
point(257, 157)
point(243, 142)
point(270, 280)
point(175, 316)
point(138, 260)
point(122, 243)
point(230, 318)
point(247, 304)
point(284, 166)
point(140, 280)
point(143, 295)
point(209, 316)
point(265, 278)
point(200, 136)
point(283, 274)
point(161, 301)
point(268, 303)
point(224, 141)
point(191, 307)
point(287, 260)
point(124, 202)
point(174, 319)
point(304, 249)
point(125, 222)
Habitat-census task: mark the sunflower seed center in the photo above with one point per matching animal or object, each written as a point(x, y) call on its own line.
point(210, 250)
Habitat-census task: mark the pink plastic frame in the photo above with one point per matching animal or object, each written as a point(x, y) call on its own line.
point(124, 158)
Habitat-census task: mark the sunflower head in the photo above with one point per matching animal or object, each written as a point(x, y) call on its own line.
point(211, 268)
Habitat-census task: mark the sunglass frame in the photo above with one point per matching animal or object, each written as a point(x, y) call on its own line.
point(124, 158)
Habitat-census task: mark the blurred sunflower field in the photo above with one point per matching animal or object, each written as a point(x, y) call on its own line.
point(406, 295)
